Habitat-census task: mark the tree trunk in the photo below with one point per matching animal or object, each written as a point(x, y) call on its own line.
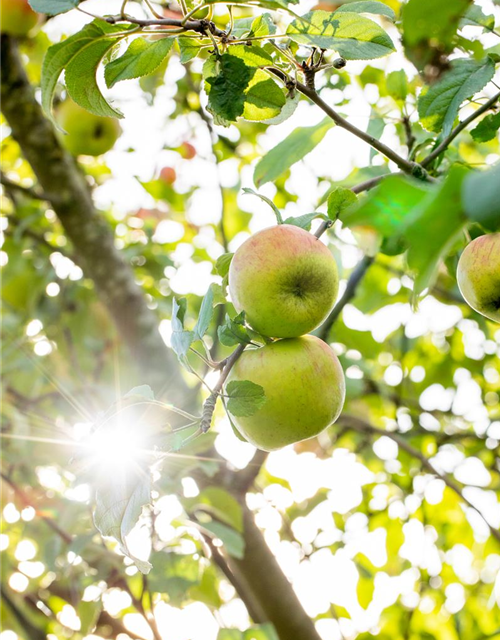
point(92, 237)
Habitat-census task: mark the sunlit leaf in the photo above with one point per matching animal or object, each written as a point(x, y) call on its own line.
point(292, 149)
point(438, 104)
point(141, 58)
point(353, 36)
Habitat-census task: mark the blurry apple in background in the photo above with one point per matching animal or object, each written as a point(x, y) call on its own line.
point(286, 281)
point(87, 134)
point(478, 275)
point(168, 175)
point(17, 18)
point(187, 151)
point(304, 386)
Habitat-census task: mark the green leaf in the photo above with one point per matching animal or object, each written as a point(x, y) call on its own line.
point(140, 59)
point(353, 36)
point(232, 540)
point(205, 316)
point(292, 149)
point(438, 104)
point(487, 129)
point(230, 634)
point(235, 90)
point(181, 339)
point(481, 197)
point(475, 17)
point(386, 207)
point(174, 573)
point(53, 7)
point(397, 85)
point(261, 632)
point(252, 56)
point(264, 99)
point(376, 127)
point(223, 263)
point(288, 110)
point(119, 504)
point(245, 398)
point(143, 391)
point(96, 34)
point(226, 99)
point(89, 612)
point(339, 200)
point(429, 29)
point(433, 227)
point(304, 221)
point(222, 505)
point(263, 25)
point(367, 6)
point(277, 212)
point(233, 331)
point(189, 48)
point(80, 74)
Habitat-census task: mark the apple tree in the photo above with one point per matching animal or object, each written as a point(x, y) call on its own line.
point(210, 436)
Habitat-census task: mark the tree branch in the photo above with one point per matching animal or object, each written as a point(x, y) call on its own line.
point(209, 404)
point(32, 631)
point(412, 168)
point(352, 284)
point(268, 582)
point(361, 426)
point(460, 127)
point(29, 192)
point(91, 236)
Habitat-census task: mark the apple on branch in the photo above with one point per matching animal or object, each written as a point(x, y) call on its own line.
point(87, 134)
point(17, 17)
point(304, 387)
point(478, 275)
point(286, 281)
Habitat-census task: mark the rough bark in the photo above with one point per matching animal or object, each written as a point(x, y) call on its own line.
point(87, 229)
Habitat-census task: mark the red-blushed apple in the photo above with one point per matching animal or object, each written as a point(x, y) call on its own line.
point(478, 275)
point(168, 175)
point(286, 281)
point(187, 151)
point(304, 386)
point(87, 134)
point(17, 18)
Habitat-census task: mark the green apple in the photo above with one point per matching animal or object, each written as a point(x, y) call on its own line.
point(304, 386)
point(17, 18)
point(286, 281)
point(478, 275)
point(87, 134)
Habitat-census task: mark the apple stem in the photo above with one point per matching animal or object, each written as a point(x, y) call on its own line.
point(211, 401)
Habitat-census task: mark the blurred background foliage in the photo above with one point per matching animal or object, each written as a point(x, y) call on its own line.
point(375, 544)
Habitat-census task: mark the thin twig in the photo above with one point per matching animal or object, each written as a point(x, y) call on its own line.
point(23, 497)
point(407, 166)
point(210, 402)
point(460, 127)
point(29, 192)
point(352, 284)
point(356, 424)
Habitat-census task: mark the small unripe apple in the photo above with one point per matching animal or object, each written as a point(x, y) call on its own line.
point(478, 275)
point(168, 175)
point(286, 281)
point(87, 134)
point(187, 151)
point(17, 17)
point(304, 386)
